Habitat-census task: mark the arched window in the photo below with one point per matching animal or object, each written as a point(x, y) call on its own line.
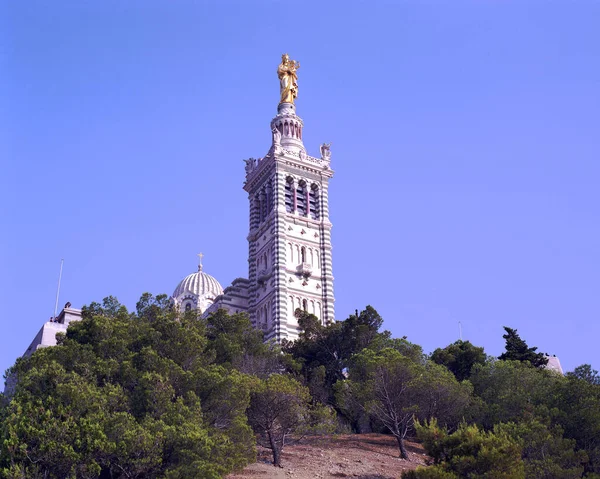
point(263, 204)
point(289, 194)
point(257, 207)
point(188, 306)
point(314, 202)
point(269, 196)
point(303, 254)
point(301, 200)
point(305, 305)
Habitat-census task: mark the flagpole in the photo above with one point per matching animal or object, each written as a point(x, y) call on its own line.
point(58, 288)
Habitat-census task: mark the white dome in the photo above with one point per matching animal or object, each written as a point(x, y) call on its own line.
point(199, 284)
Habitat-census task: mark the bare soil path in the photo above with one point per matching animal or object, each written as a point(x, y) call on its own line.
point(359, 456)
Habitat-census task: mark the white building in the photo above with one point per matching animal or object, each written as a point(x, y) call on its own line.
point(47, 334)
point(289, 239)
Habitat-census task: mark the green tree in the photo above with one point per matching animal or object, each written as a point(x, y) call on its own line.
point(278, 408)
point(513, 391)
point(546, 454)
point(235, 343)
point(459, 358)
point(468, 452)
point(517, 350)
point(577, 402)
point(395, 390)
point(322, 353)
point(127, 395)
point(585, 373)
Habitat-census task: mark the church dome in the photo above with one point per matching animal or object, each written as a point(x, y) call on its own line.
point(198, 284)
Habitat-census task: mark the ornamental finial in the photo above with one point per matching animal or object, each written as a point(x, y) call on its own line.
point(200, 256)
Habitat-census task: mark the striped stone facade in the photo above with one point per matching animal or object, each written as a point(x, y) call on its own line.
point(290, 232)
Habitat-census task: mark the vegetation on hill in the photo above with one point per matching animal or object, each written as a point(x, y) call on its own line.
point(159, 393)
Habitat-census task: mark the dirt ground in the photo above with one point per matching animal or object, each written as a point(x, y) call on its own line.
point(360, 456)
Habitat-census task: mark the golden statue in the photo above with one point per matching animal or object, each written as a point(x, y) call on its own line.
point(288, 80)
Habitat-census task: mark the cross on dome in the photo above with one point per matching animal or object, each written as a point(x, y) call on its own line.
point(200, 256)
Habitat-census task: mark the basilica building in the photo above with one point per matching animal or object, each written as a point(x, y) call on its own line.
point(289, 239)
point(289, 242)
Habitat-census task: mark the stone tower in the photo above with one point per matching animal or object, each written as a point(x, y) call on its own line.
point(290, 233)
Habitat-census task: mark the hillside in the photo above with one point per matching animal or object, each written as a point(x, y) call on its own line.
point(161, 393)
point(363, 456)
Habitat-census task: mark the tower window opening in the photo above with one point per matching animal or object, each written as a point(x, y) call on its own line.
point(289, 195)
point(258, 207)
point(269, 195)
point(301, 204)
point(303, 254)
point(263, 205)
point(305, 305)
point(314, 202)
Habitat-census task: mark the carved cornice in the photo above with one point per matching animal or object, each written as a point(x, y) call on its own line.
point(297, 159)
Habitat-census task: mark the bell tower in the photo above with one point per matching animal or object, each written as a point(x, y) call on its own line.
point(290, 232)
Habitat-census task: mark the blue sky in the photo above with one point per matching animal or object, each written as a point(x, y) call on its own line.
point(465, 140)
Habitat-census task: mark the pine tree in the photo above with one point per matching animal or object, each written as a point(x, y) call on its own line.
point(517, 350)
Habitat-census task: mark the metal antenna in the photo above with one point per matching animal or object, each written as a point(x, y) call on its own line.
point(58, 289)
point(460, 330)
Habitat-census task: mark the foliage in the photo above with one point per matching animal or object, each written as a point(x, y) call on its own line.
point(517, 350)
point(394, 390)
point(412, 351)
point(513, 391)
point(546, 454)
point(517, 392)
point(323, 352)
point(236, 344)
point(577, 402)
point(468, 452)
point(459, 358)
point(278, 408)
point(585, 373)
point(127, 395)
point(160, 393)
